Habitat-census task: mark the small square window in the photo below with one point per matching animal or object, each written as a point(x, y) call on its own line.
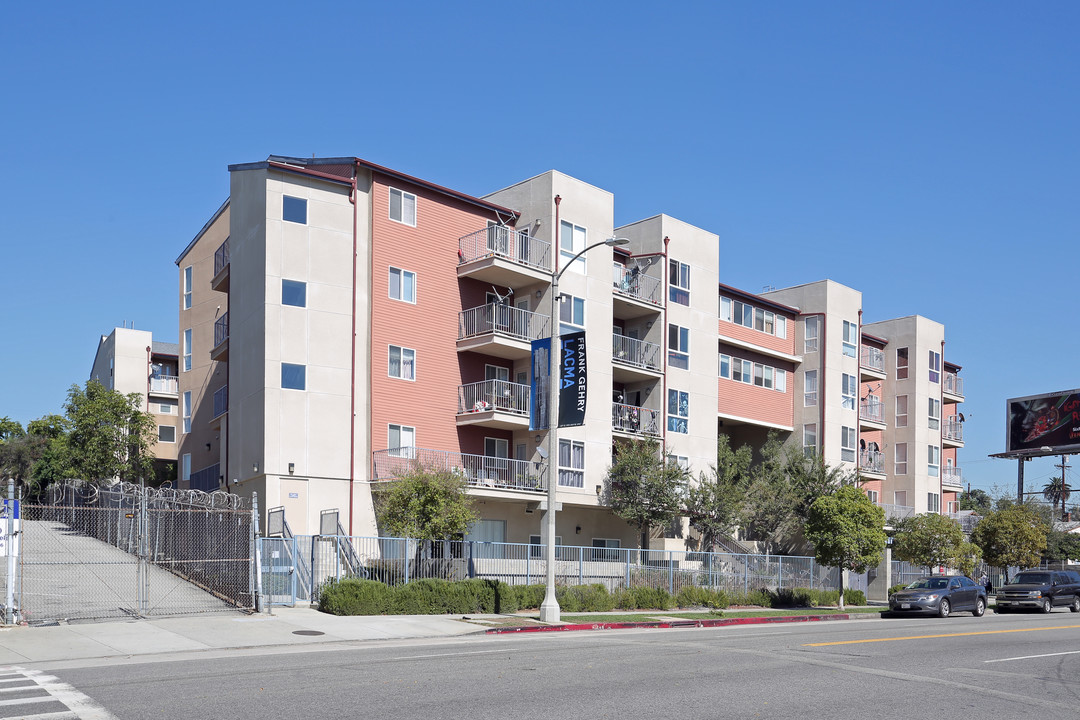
point(293, 377)
point(294, 209)
point(402, 285)
point(294, 292)
point(403, 207)
point(166, 433)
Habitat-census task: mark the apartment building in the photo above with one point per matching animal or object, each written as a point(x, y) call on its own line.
point(341, 321)
point(131, 361)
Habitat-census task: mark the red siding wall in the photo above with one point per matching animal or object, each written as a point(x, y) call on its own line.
point(753, 402)
point(749, 335)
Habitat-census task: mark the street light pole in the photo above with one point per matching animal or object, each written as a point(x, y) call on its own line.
point(549, 608)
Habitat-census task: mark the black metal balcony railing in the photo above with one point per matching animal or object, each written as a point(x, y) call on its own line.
point(481, 471)
point(631, 351)
point(221, 257)
point(503, 320)
point(507, 244)
point(221, 401)
point(221, 329)
point(634, 419)
point(636, 284)
point(872, 358)
point(500, 395)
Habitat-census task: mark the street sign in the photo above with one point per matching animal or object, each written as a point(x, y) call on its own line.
point(9, 508)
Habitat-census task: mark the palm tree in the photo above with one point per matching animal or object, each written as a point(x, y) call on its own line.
point(1057, 490)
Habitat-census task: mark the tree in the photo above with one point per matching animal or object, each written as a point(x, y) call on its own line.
point(1011, 536)
point(110, 436)
point(425, 504)
point(929, 539)
point(1062, 546)
point(642, 488)
point(1057, 491)
point(714, 503)
point(847, 530)
point(10, 429)
point(977, 500)
point(967, 558)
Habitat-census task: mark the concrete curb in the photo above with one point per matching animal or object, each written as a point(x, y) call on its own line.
point(719, 622)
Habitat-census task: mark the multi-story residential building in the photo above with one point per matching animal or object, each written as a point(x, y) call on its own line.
point(131, 361)
point(341, 321)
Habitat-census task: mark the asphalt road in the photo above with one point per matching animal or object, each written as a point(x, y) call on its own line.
point(998, 666)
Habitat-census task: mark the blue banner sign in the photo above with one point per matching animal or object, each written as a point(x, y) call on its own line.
point(573, 388)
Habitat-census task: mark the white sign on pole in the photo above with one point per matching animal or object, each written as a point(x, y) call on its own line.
point(9, 507)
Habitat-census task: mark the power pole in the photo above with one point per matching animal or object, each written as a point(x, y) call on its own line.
point(1063, 465)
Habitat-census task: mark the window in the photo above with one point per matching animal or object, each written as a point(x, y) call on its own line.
point(187, 411)
point(609, 549)
point(402, 363)
point(933, 460)
point(901, 363)
point(780, 381)
point(810, 388)
point(764, 376)
point(901, 411)
point(933, 503)
point(678, 346)
point(572, 240)
point(402, 285)
point(571, 314)
point(935, 367)
point(900, 460)
point(742, 371)
point(810, 334)
point(678, 407)
point(682, 461)
point(166, 433)
point(781, 327)
point(678, 282)
point(725, 366)
point(849, 389)
point(536, 546)
point(293, 377)
point(743, 314)
point(571, 463)
point(934, 413)
point(848, 441)
point(187, 350)
point(403, 207)
point(809, 440)
point(166, 408)
point(401, 440)
point(851, 338)
point(187, 288)
point(185, 467)
point(294, 292)
point(725, 308)
point(764, 321)
point(294, 209)
point(873, 496)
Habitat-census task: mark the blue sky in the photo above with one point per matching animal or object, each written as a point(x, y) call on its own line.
point(924, 153)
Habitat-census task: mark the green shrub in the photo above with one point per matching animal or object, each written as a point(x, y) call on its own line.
point(584, 598)
point(427, 596)
point(529, 597)
point(792, 598)
point(352, 596)
point(506, 599)
point(760, 597)
point(695, 596)
point(894, 588)
point(854, 597)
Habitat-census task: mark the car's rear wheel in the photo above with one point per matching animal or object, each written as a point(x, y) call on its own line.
point(943, 609)
point(1074, 606)
point(980, 607)
point(1046, 607)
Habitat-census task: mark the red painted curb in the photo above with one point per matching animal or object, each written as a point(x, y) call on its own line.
point(719, 622)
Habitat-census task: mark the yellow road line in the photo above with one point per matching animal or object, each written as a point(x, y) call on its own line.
point(945, 635)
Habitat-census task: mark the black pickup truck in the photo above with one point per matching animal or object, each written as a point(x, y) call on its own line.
point(1040, 589)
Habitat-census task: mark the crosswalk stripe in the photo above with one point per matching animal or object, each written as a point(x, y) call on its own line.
point(79, 706)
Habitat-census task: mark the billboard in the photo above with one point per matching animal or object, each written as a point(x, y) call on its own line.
point(1050, 420)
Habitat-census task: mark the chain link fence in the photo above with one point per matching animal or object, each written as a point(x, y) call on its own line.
point(89, 552)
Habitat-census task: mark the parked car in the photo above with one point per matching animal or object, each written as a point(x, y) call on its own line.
point(1041, 590)
point(939, 595)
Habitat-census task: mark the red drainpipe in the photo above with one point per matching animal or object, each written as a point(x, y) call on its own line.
point(664, 349)
point(352, 366)
point(555, 260)
point(150, 372)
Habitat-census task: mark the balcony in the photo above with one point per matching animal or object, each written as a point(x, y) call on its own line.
point(479, 471)
point(221, 401)
point(504, 256)
point(871, 462)
point(221, 338)
point(635, 293)
point(952, 478)
point(967, 521)
point(494, 403)
point(872, 363)
point(953, 387)
point(872, 413)
point(164, 385)
point(220, 282)
point(634, 360)
point(896, 513)
point(500, 330)
point(952, 433)
point(634, 420)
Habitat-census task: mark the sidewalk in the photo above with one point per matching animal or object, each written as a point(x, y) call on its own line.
point(299, 626)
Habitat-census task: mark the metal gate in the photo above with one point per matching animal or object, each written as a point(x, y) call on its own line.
point(277, 569)
point(123, 551)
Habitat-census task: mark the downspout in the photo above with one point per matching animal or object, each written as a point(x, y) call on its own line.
point(664, 349)
point(821, 396)
point(941, 432)
point(150, 372)
point(352, 364)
